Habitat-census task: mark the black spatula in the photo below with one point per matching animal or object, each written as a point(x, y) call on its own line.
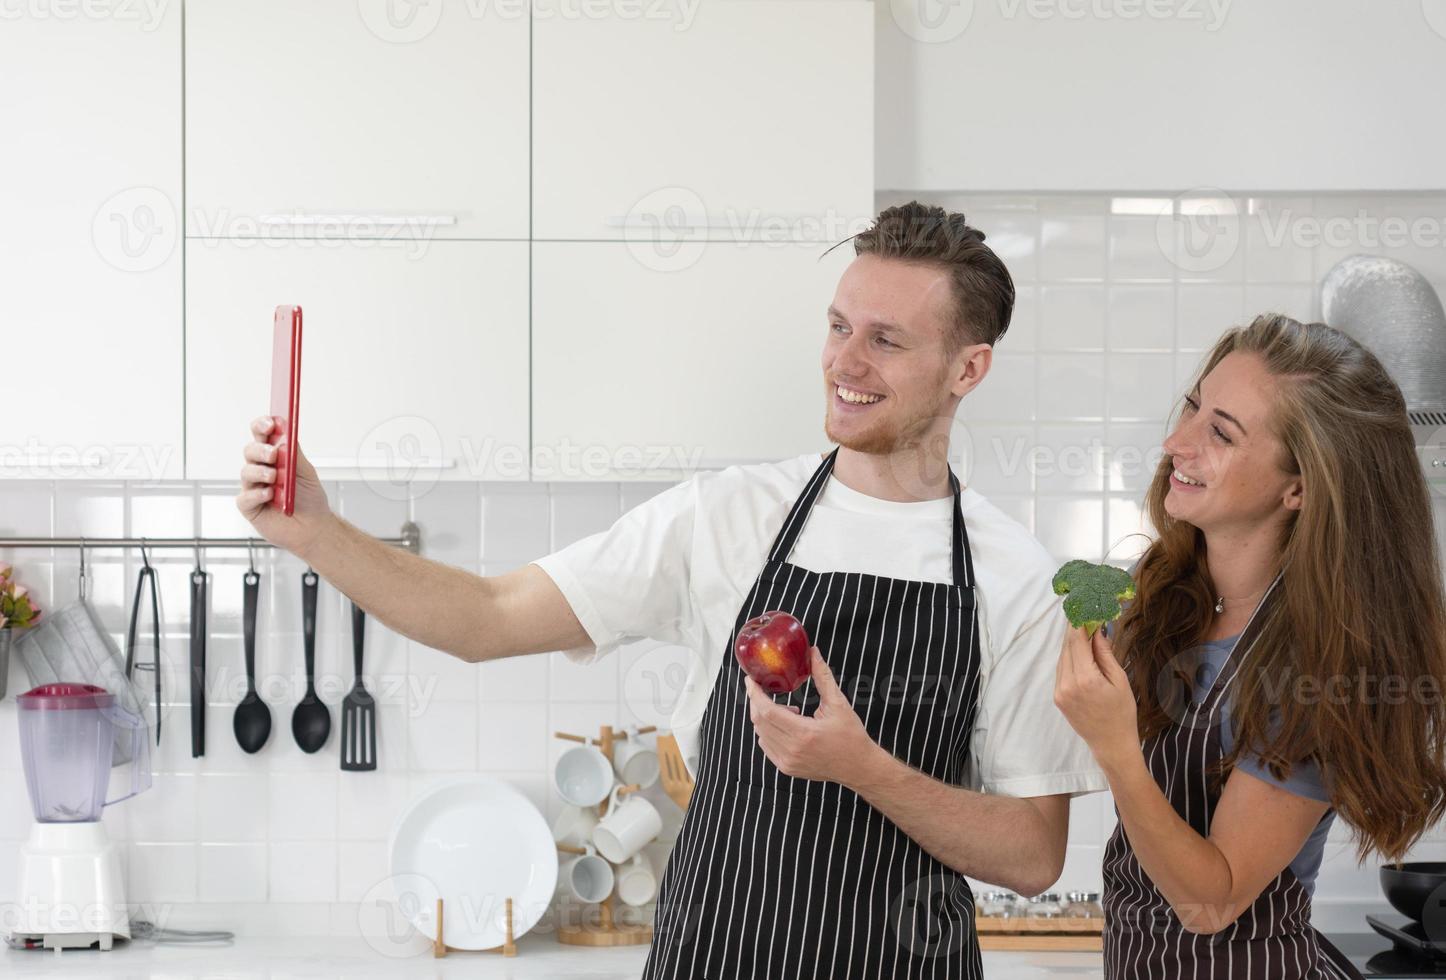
point(358, 711)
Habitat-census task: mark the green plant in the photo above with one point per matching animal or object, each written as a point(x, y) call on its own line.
point(16, 609)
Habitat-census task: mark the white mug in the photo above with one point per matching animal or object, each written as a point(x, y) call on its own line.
point(630, 823)
point(583, 776)
point(588, 877)
point(635, 880)
point(574, 825)
point(635, 762)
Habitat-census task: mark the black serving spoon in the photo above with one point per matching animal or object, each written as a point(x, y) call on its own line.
point(252, 721)
point(311, 721)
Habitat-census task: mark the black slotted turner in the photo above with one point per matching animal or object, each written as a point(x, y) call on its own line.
point(358, 711)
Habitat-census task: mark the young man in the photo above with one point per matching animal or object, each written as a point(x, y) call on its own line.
point(830, 829)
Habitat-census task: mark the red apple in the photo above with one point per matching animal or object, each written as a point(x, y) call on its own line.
point(772, 648)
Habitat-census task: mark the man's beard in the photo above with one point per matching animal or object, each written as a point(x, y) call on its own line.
point(882, 439)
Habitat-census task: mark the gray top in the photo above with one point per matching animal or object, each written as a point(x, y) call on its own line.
point(1305, 776)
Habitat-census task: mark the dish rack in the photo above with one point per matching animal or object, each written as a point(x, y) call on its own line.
point(606, 931)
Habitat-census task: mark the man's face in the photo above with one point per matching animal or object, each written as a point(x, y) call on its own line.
point(886, 350)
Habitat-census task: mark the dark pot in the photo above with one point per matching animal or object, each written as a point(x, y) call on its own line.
point(1409, 886)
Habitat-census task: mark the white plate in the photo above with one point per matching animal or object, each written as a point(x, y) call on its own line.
point(474, 842)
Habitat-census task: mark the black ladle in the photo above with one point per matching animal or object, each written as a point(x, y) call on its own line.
point(253, 718)
point(311, 721)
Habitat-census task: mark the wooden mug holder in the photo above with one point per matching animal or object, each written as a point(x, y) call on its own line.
point(606, 931)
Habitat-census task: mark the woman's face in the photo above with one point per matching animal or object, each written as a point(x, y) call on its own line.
point(1228, 472)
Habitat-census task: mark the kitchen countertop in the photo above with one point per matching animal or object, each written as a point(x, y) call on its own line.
point(538, 958)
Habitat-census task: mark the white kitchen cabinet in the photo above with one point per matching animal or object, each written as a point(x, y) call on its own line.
point(1066, 95)
point(736, 121)
point(643, 371)
point(356, 119)
point(90, 192)
point(414, 362)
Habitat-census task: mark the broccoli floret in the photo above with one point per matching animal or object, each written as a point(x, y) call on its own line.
point(1093, 593)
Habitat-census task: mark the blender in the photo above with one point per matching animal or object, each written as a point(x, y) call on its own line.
point(71, 892)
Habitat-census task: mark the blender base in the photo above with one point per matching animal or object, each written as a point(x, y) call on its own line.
point(71, 891)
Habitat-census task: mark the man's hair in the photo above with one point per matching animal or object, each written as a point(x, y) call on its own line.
point(982, 288)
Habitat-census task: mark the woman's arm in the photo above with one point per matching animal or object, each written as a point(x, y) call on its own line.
point(1257, 829)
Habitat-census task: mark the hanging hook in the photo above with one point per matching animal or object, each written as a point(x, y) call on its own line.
point(145, 558)
point(82, 568)
point(196, 544)
point(250, 556)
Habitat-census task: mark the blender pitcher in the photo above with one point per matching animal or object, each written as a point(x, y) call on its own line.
point(67, 736)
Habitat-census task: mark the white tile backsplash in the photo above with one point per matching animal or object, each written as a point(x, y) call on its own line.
point(1111, 320)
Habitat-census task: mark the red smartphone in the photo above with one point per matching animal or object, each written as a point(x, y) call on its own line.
point(285, 402)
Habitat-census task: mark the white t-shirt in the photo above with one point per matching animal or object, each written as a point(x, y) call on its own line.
point(677, 568)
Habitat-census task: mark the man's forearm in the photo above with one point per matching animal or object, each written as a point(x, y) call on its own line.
point(999, 839)
point(435, 604)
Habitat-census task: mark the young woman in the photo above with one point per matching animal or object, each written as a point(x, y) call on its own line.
point(1283, 660)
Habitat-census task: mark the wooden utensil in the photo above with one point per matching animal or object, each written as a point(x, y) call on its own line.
point(676, 781)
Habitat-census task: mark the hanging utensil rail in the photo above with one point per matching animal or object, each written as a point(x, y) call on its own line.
point(411, 539)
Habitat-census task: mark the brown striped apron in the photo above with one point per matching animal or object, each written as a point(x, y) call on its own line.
point(1144, 938)
point(777, 876)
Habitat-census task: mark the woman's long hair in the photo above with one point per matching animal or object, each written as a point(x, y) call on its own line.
point(1350, 666)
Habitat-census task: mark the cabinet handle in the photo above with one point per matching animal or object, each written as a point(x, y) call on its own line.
point(302, 219)
point(344, 463)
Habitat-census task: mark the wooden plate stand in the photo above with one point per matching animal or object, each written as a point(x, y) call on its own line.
point(441, 949)
point(605, 931)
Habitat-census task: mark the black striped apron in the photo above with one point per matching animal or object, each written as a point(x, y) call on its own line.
point(1144, 938)
point(776, 876)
